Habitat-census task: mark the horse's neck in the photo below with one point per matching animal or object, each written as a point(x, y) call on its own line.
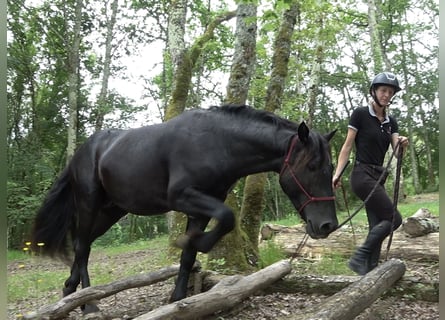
point(262, 150)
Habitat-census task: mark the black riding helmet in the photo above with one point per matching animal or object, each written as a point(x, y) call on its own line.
point(384, 78)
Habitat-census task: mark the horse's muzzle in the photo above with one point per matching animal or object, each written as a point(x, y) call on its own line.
point(320, 231)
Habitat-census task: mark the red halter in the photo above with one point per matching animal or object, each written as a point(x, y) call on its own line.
point(283, 168)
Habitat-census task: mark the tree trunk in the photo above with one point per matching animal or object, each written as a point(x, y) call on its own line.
point(244, 56)
point(253, 201)
point(407, 100)
point(235, 249)
point(102, 105)
point(73, 80)
point(314, 80)
point(183, 60)
point(351, 301)
point(378, 54)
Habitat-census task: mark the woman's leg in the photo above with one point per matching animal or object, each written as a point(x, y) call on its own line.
point(381, 215)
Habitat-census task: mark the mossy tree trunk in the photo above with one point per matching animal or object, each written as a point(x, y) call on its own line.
point(183, 60)
point(246, 238)
point(253, 201)
point(235, 250)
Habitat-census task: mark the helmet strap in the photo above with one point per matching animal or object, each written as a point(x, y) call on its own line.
point(376, 100)
point(374, 97)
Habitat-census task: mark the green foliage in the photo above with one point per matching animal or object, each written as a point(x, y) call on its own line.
point(326, 264)
point(21, 207)
point(218, 265)
point(270, 252)
point(133, 228)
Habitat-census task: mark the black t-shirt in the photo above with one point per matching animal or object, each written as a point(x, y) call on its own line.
point(373, 138)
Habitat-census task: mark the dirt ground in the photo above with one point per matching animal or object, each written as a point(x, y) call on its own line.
point(134, 302)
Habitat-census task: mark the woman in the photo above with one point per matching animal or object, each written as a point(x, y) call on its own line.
point(372, 129)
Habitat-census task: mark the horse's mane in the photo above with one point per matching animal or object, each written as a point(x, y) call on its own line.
point(247, 112)
point(251, 113)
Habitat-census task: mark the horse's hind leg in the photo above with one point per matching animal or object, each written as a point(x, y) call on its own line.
point(89, 230)
point(82, 247)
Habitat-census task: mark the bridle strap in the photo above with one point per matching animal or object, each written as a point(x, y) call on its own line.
point(294, 177)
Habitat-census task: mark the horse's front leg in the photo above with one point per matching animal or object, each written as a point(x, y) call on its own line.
point(188, 258)
point(200, 205)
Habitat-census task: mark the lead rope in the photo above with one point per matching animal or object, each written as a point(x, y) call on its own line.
point(349, 214)
point(396, 199)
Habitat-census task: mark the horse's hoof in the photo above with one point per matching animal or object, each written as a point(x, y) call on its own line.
point(89, 308)
point(183, 241)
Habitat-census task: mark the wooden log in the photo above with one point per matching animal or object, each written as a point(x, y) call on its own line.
point(62, 307)
point(351, 301)
point(419, 289)
point(415, 287)
point(420, 223)
point(226, 294)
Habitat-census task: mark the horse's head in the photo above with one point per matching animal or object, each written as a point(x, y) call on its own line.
point(306, 178)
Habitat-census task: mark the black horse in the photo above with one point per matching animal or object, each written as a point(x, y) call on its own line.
point(187, 164)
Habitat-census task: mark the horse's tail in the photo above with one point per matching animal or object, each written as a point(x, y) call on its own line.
point(55, 219)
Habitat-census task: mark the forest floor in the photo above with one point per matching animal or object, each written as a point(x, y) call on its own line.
point(134, 302)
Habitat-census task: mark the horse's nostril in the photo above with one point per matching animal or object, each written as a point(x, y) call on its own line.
point(328, 227)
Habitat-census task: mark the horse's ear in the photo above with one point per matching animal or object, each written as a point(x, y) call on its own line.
point(330, 135)
point(303, 132)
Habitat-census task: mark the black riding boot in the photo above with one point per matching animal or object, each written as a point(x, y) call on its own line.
point(374, 258)
point(360, 262)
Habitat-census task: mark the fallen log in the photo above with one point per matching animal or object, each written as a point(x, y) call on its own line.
point(352, 300)
point(418, 289)
point(412, 286)
point(62, 307)
point(226, 294)
point(420, 223)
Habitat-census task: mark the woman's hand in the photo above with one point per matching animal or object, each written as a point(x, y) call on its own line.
point(404, 142)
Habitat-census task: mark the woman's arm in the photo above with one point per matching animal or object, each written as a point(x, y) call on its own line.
point(344, 154)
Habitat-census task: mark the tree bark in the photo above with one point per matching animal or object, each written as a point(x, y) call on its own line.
point(420, 223)
point(244, 55)
point(73, 79)
point(235, 248)
point(253, 200)
point(351, 301)
point(102, 105)
point(376, 42)
point(183, 61)
point(419, 289)
point(314, 80)
point(226, 294)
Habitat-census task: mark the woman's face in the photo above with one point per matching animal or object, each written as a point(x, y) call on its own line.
point(384, 94)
